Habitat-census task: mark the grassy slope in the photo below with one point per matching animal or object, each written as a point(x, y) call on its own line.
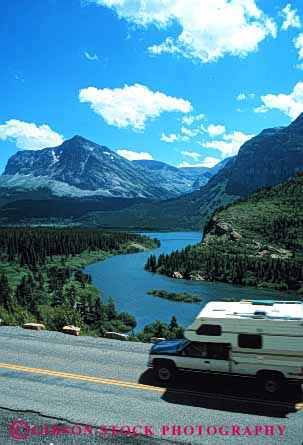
point(271, 217)
point(257, 241)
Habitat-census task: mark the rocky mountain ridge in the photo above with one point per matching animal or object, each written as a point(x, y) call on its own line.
point(87, 166)
point(80, 168)
point(270, 158)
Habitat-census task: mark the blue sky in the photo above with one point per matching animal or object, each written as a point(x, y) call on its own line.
point(181, 81)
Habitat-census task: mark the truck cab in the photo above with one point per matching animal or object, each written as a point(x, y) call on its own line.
point(171, 356)
point(168, 356)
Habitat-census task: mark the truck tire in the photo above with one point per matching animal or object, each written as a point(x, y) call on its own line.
point(164, 371)
point(271, 383)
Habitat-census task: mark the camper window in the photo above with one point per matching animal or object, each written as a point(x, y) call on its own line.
point(209, 329)
point(250, 341)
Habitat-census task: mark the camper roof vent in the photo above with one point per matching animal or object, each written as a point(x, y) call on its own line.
point(260, 314)
point(259, 302)
point(269, 302)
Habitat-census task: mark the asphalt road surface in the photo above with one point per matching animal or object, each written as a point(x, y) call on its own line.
point(57, 389)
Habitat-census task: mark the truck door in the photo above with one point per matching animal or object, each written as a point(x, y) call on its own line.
point(218, 359)
point(194, 356)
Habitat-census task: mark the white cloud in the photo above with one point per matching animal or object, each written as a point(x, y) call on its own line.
point(208, 162)
point(91, 56)
point(289, 104)
point(291, 18)
point(215, 130)
point(168, 46)
point(19, 78)
point(29, 136)
point(170, 138)
point(186, 164)
point(189, 120)
point(134, 155)
point(230, 144)
point(188, 132)
point(131, 106)
point(298, 42)
point(210, 29)
point(191, 154)
point(243, 96)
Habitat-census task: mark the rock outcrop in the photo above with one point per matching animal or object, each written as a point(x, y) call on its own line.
point(220, 228)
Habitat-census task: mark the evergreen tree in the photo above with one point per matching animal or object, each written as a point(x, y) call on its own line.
point(111, 309)
point(99, 310)
point(128, 320)
point(6, 294)
point(71, 296)
point(173, 323)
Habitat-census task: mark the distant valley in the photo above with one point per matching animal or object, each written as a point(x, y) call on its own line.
point(87, 184)
point(270, 158)
point(80, 177)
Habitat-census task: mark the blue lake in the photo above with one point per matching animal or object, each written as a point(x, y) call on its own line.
point(123, 277)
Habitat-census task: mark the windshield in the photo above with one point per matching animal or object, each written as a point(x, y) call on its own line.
point(182, 344)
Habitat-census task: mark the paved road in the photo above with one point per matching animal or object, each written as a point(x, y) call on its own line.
point(70, 384)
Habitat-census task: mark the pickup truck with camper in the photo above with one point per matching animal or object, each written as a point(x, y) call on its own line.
point(262, 339)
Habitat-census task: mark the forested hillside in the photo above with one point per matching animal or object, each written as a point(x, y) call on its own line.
point(32, 246)
point(41, 280)
point(257, 241)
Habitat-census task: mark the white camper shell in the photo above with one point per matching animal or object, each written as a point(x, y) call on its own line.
point(267, 327)
point(263, 335)
point(246, 338)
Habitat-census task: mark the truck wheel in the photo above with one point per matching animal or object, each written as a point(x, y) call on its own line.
point(164, 372)
point(271, 383)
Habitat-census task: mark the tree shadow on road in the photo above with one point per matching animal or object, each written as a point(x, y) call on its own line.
point(224, 393)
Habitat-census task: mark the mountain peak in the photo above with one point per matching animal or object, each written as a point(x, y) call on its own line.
point(79, 143)
point(77, 139)
point(298, 123)
point(87, 166)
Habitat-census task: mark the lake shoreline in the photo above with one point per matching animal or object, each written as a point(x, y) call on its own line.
point(123, 277)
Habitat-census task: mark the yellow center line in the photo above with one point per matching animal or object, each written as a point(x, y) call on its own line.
point(85, 378)
point(124, 384)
